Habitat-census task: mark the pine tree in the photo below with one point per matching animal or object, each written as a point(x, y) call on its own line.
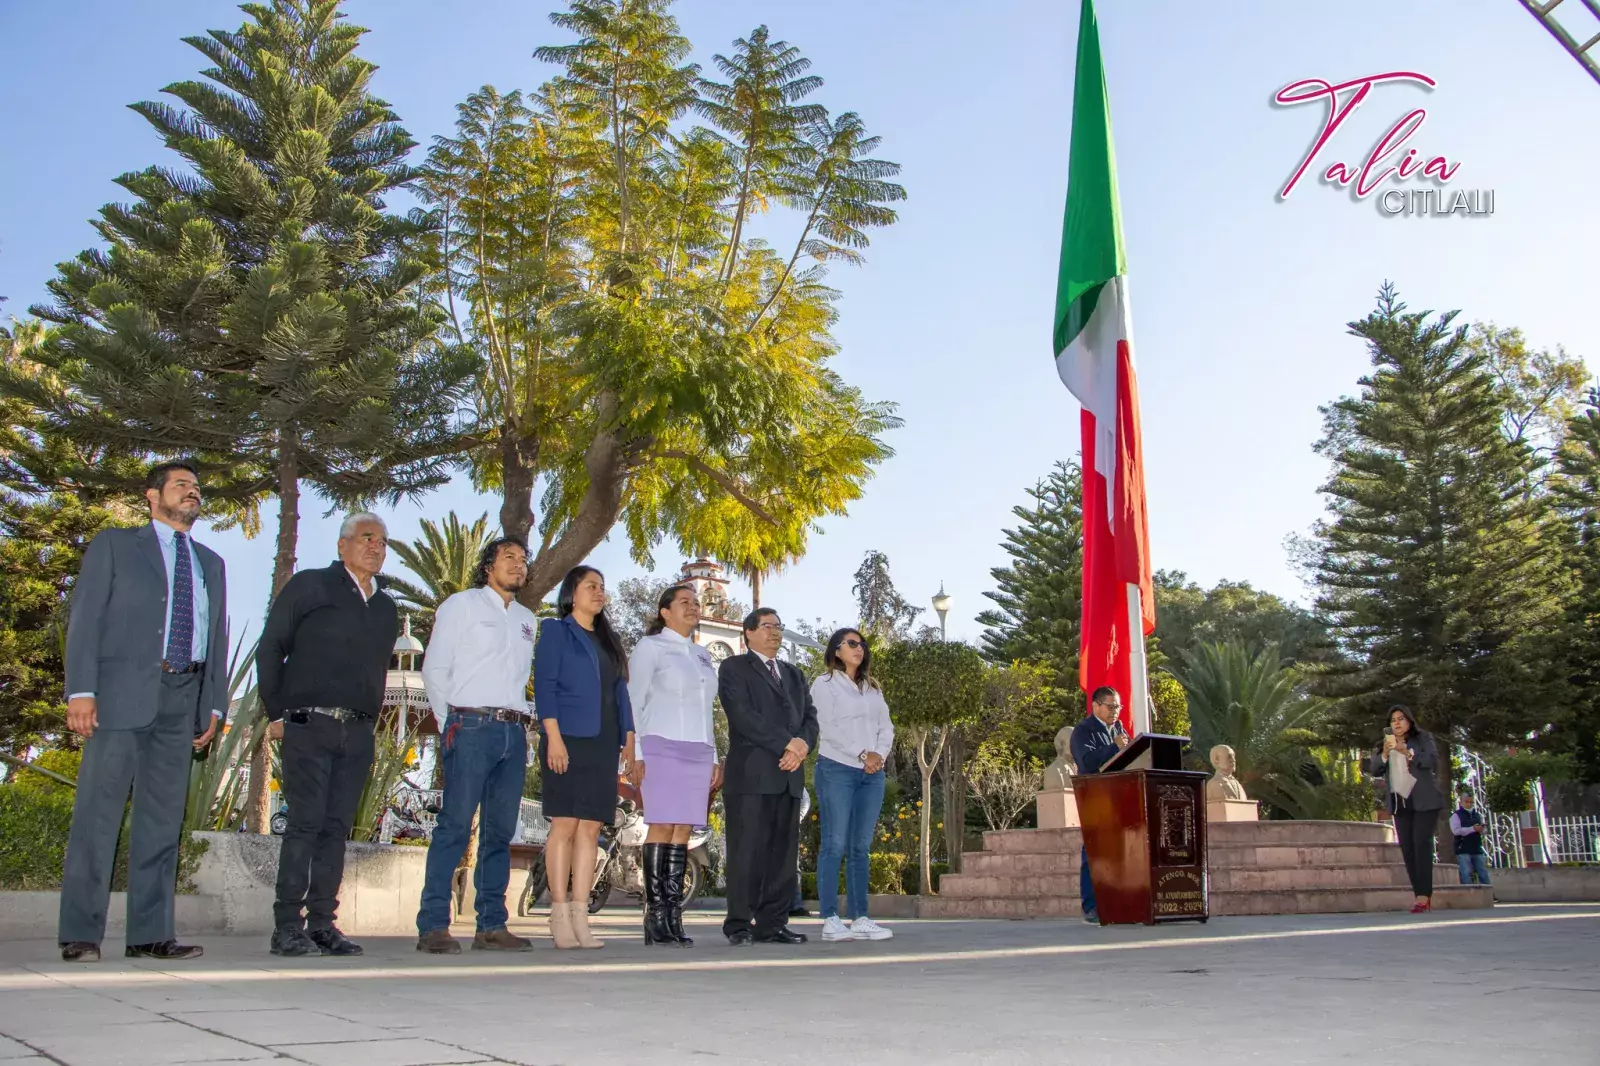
point(885, 615)
point(1577, 491)
point(1039, 602)
point(256, 310)
point(1437, 569)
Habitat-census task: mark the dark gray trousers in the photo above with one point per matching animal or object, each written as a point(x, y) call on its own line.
point(154, 762)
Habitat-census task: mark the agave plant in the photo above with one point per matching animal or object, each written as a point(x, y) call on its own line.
point(1247, 699)
point(389, 756)
point(216, 786)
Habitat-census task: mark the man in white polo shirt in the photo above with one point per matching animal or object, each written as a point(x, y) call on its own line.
point(479, 657)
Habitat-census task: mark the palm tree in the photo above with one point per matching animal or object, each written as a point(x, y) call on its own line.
point(1246, 698)
point(444, 560)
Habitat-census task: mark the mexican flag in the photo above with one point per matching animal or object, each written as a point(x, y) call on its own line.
point(1094, 356)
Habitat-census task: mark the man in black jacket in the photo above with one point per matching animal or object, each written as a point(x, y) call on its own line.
point(1094, 741)
point(321, 665)
point(772, 726)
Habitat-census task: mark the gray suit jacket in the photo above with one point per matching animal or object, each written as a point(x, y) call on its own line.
point(118, 624)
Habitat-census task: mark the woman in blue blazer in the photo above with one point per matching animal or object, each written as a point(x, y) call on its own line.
point(580, 693)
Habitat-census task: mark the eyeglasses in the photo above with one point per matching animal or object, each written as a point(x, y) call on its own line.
point(771, 626)
point(1113, 706)
point(852, 644)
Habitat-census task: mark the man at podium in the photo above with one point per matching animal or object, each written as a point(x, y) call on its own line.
point(1094, 741)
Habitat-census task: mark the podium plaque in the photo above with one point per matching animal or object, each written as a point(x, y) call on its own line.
point(1144, 828)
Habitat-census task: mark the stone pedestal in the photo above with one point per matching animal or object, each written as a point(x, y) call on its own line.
point(1057, 808)
point(1225, 810)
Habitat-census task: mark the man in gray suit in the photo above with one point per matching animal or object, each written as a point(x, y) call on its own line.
point(147, 681)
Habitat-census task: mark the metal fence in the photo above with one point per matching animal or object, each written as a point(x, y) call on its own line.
point(1574, 839)
point(413, 812)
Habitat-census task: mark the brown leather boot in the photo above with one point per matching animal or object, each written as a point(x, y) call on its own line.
point(561, 926)
point(579, 910)
point(438, 942)
point(501, 939)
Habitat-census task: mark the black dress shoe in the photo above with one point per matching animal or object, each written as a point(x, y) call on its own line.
point(799, 912)
point(80, 951)
point(291, 941)
point(167, 950)
point(743, 938)
point(782, 936)
point(330, 941)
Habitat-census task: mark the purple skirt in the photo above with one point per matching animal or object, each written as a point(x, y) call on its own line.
point(677, 780)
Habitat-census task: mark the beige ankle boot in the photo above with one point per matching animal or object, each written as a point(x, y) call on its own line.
point(561, 926)
point(579, 910)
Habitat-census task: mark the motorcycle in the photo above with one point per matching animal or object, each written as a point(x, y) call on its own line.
point(619, 863)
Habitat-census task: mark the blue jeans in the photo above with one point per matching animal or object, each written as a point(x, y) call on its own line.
point(485, 763)
point(848, 802)
point(1086, 885)
point(1470, 864)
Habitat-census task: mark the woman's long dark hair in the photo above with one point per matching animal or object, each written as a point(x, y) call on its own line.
point(831, 660)
point(1412, 728)
point(656, 623)
point(602, 624)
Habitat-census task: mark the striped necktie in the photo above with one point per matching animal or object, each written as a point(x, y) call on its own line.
point(180, 627)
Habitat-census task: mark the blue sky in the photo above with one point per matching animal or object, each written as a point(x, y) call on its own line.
point(1239, 300)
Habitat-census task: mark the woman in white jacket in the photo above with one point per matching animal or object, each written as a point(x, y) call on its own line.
point(855, 739)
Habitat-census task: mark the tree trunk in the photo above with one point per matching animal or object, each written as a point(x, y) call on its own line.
point(258, 809)
point(517, 483)
point(755, 589)
point(607, 464)
point(955, 800)
point(1445, 773)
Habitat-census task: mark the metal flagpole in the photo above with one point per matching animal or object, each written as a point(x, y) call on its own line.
point(1138, 672)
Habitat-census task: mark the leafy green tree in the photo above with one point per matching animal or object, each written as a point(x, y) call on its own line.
point(885, 615)
point(1438, 571)
point(1576, 485)
point(1039, 599)
point(1187, 616)
point(1540, 389)
point(637, 362)
point(444, 561)
point(932, 686)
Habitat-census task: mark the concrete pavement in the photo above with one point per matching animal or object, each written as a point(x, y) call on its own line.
point(1519, 982)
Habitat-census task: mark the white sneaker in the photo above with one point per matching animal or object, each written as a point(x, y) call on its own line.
point(835, 929)
point(864, 928)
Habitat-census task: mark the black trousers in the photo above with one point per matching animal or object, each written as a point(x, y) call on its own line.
point(1416, 830)
point(153, 761)
point(325, 766)
point(763, 848)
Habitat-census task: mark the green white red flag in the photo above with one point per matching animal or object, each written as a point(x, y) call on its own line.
point(1094, 356)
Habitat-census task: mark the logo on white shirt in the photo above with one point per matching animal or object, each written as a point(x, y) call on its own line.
point(527, 632)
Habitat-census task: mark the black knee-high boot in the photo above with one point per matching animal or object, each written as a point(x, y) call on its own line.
point(676, 865)
point(656, 930)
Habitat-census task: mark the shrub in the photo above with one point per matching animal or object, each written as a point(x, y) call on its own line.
point(912, 877)
point(34, 825)
point(886, 873)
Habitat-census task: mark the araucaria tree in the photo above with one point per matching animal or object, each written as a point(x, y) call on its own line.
point(256, 308)
point(645, 361)
point(883, 613)
point(1438, 569)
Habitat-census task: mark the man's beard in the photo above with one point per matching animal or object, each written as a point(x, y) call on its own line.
point(183, 514)
point(515, 586)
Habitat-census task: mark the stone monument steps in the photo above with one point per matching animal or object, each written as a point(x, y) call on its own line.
point(1257, 835)
point(1292, 878)
point(1300, 854)
point(1228, 903)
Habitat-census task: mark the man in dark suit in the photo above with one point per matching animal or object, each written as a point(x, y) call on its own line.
point(147, 681)
point(772, 726)
point(1094, 741)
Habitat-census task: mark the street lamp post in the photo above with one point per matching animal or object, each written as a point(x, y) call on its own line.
point(941, 605)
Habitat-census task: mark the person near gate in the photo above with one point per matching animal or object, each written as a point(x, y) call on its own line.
point(476, 671)
point(855, 736)
point(1466, 826)
point(580, 691)
point(772, 726)
point(1094, 741)
point(321, 664)
point(1408, 758)
point(146, 683)
point(672, 685)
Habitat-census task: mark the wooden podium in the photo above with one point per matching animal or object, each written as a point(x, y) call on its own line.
point(1144, 828)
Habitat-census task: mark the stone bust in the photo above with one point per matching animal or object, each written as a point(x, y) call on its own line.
point(1223, 785)
point(1058, 775)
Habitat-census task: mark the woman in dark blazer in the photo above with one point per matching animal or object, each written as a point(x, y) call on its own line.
point(580, 693)
point(1408, 758)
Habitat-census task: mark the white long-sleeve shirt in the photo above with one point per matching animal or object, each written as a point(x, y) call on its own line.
point(1457, 829)
point(480, 653)
point(850, 720)
point(671, 684)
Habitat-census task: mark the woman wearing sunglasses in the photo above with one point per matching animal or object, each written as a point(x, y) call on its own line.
point(856, 736)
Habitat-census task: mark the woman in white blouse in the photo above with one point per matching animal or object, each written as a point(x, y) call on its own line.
point(856, 736)
point(671, 684)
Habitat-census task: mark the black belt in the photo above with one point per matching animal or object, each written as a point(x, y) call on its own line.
point(192, 668)
point(300, 715)
point(495, 714)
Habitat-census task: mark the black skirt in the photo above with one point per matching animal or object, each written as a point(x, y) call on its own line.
point(588, 790)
